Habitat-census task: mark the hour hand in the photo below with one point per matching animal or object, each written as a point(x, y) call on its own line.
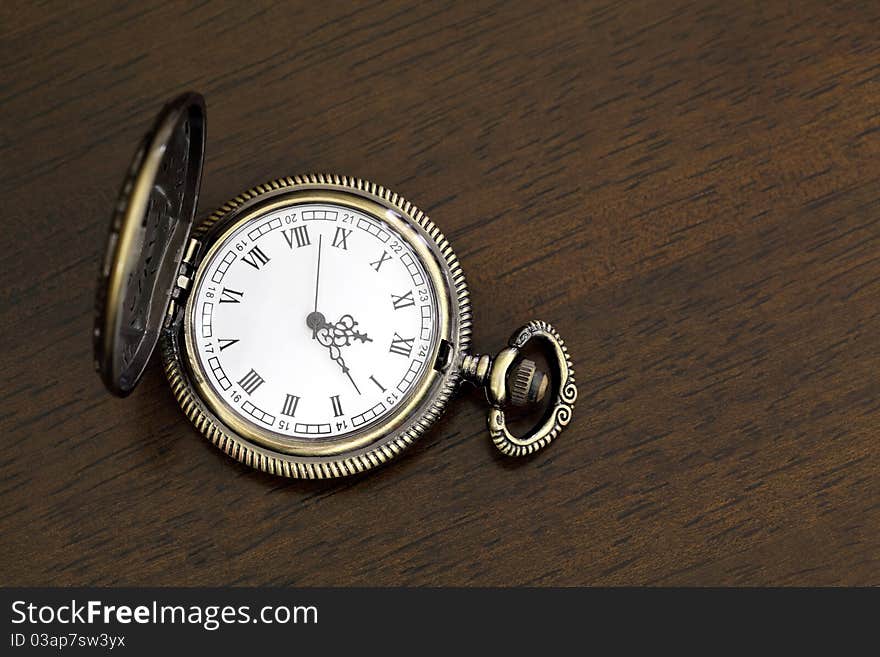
point(348, 374)
point(346, 327)
point(336, 355)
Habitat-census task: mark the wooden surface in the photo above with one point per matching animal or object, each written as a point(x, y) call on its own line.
point(689, 191)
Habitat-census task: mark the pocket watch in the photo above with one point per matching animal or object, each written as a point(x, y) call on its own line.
point(311, 327)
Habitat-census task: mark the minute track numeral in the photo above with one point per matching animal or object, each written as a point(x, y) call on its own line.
point(401, 345)
point(255, 258)
point(337, 406)
point(290, 404)
point(250, 382)
point(403, 301)
point(299, 234)
point(340, 236)
point(376, 265)
point(230, 296)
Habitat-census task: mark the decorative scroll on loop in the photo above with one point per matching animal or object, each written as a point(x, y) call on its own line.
point(565, 394)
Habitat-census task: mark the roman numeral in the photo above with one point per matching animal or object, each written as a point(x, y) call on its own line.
point(226, 343)
point(378, 263)
point(250, 382)
point(337, 407)
point(340, 237)
point(300, 234)
point(400, 345)
point(255, 257)
point(378, 385)
point(230, 296)
point(290, 403)
point(404, 301)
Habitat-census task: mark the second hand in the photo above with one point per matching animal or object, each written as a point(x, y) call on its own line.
point(317, 319)
point(317, 281)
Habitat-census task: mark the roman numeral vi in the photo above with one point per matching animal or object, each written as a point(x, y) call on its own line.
point(230, 296)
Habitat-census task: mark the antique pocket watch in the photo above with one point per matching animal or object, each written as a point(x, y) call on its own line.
point(311, 327)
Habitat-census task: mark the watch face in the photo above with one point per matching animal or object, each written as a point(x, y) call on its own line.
point(314, 320)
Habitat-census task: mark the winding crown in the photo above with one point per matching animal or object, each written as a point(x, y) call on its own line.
point(529, 384)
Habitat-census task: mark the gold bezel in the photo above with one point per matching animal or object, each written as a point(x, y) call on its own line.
point(358, 438)
point(363, 450)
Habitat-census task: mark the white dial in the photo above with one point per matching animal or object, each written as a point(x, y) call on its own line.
point(313, 321)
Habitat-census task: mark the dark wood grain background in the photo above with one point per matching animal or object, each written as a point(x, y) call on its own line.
point(689, 191)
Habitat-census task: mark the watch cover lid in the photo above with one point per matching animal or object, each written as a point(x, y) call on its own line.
point(149, 234)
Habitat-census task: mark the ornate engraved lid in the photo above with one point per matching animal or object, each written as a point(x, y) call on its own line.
point(149, 234)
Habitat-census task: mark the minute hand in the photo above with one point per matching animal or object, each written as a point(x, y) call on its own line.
point(329, 336)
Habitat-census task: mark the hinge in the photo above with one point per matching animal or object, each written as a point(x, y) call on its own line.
point(184, 279)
